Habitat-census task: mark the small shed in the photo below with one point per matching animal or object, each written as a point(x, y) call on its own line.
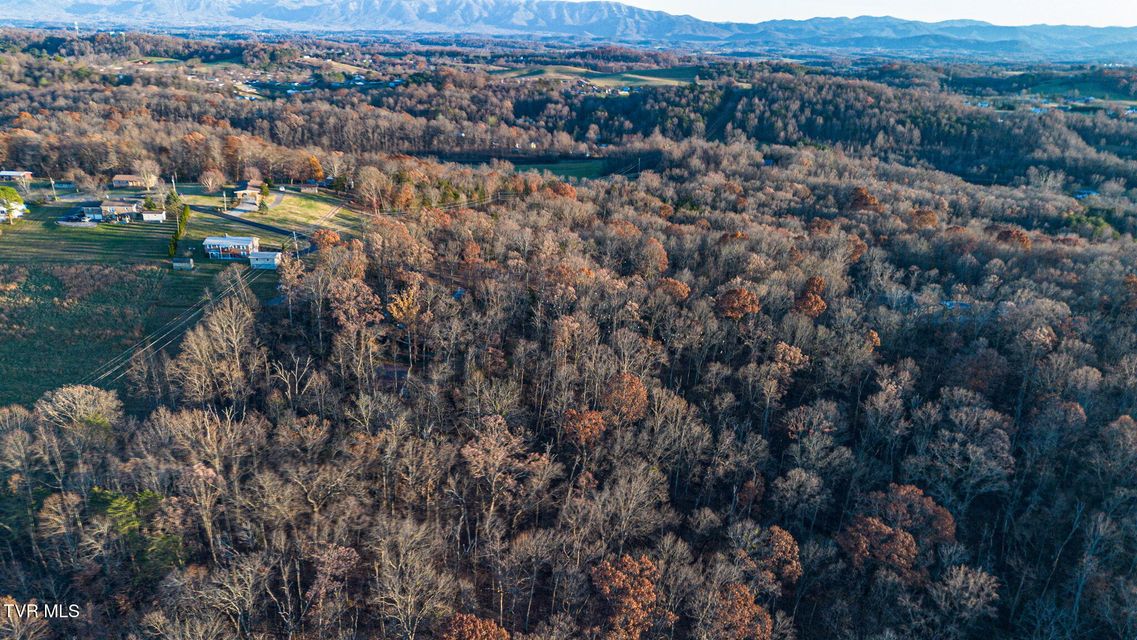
point(183, 264)
point(264, 260)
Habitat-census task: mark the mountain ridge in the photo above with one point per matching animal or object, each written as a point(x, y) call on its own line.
point(593, 19)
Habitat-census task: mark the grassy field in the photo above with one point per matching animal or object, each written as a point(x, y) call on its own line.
point(72, 298)
point(1083, 86)
point(668, 77)
point(332, 65)
point(156, 60)
point(590, 168)
point(300, 212)
point(308, 212)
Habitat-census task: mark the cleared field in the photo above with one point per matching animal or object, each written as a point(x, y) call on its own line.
point(568, 168)
point(666, 77)
point(73, 298)
point(1081, 86)
point(308, 212)
point(332, 65)
point(300, 212)
point(61, 321)
point(156, 60)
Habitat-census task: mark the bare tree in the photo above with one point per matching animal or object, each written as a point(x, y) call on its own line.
point(409, 588)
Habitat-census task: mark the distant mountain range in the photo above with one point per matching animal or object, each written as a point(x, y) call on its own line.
point(594, 21)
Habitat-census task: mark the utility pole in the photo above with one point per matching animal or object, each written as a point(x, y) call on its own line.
point(54, 195)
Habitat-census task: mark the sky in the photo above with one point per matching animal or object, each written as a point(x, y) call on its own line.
point(1097, 13)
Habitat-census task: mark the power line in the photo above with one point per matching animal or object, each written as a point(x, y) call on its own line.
point(177, 332)
point(124, 367)
point(175, 326)
point(193, 309)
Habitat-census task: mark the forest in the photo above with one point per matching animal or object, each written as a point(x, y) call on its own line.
point(845, 355)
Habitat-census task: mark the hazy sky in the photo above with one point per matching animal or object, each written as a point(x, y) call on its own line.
point(1010, 12)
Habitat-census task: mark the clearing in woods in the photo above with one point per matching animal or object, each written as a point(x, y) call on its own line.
point(73, 298)
point(666, 77)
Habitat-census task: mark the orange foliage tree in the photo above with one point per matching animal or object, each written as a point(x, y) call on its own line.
point(628, 589)
point(325, 239)
point(465, 626)
point(925, 219)
point(674, 288)
point(738, 617)
point(583, 428)
point(735, 303)
point(626, 398)
point(810, 303)
point(868, 540)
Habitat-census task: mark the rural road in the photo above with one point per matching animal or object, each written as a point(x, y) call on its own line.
point(263, 226)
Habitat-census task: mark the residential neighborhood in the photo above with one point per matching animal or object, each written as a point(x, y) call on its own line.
point(126, 200)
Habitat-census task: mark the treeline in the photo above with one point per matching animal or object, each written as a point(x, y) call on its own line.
point(131, 45)
point(55, 113)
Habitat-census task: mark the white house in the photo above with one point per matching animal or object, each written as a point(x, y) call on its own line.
point(109, 208)
point(230, 247)
point(264, 259)
point(8, 176)
point(153, 216)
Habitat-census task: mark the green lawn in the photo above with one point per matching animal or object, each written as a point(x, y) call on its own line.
point(667, 77)
point(156, 60)
point(300, 212)
point(308, 212)
point(1084, 87)
point(73, 298)
point(590, 168)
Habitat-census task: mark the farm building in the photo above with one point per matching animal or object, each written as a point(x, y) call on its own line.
point(310, 188)
point(264, 259)
point(183, 264)
point(230, 247)
point(15, 175)
point(153, 216)
point(127, 181)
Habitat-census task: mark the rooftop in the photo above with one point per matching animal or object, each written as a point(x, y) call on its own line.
point(229, 241)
